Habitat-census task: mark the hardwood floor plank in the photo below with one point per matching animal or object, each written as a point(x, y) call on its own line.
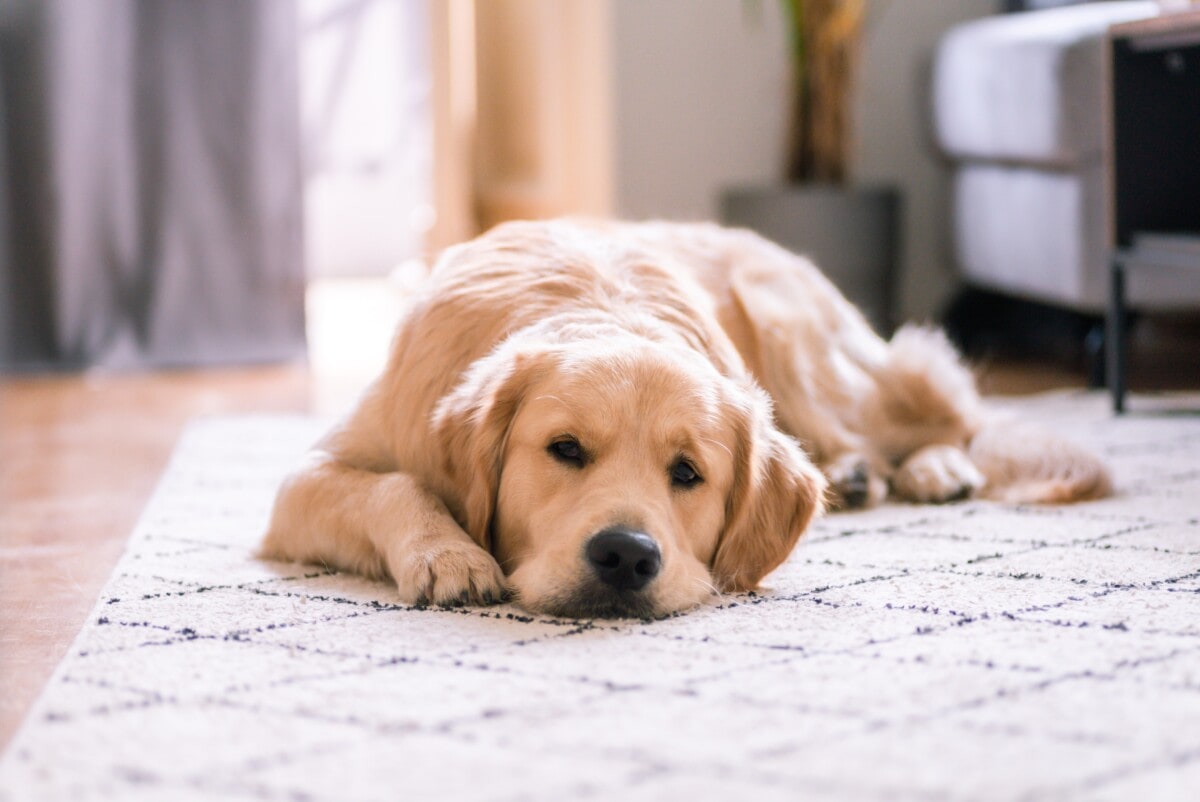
point(79, 456)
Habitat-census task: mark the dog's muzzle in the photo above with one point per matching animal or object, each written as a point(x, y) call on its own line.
point(624, 559)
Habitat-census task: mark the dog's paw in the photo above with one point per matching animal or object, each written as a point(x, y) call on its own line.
point(937, 473)
point(853, 484)
point(448, 574)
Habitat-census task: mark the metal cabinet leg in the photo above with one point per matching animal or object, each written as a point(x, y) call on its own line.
point(1116, 335)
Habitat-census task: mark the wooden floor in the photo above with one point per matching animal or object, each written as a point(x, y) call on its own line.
point(80, 454)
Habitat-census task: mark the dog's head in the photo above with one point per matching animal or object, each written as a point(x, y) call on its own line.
point(617, 477)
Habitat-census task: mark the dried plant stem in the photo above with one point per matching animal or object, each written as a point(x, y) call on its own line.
point(826, 35)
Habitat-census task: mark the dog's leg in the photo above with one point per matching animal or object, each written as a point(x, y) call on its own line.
point(937, 473)
point(380, 524)
point(854, 482)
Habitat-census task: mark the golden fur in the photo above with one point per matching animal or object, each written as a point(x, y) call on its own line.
point(708, 389)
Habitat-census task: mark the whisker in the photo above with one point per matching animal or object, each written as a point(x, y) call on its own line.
point(549, 397)
point(709, 586)
point(721, 446)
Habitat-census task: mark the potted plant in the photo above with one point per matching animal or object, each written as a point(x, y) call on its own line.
point(850, 231)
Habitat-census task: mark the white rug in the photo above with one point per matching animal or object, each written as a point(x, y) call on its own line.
point(967, 652)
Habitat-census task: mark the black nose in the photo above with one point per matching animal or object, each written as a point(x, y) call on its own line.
point(624, 559)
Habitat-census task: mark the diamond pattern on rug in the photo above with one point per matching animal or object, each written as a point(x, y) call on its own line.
point(972, 651)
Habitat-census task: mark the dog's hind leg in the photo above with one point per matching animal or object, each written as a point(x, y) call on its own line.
point(937, 473)
point(923, 396)
point(854, 482)
point(815, 354)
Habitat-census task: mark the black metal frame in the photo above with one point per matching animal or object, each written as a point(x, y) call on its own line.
point(1115, 334)
point(1154, 167)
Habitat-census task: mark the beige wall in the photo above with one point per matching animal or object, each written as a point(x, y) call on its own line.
point(700, 90)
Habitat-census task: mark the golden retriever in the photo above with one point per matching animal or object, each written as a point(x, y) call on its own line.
point(607, 419)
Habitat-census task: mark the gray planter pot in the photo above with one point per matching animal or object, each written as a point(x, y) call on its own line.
point(850, 232)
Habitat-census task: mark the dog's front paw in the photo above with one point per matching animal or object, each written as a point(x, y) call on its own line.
point(853, 484)
point(448, 574)
point(937, 473)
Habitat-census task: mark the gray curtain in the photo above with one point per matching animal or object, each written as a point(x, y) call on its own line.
point(152, 206)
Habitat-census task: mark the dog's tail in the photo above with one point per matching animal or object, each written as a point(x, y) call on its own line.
point(1026, 465)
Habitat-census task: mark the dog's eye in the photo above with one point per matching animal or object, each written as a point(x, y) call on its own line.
point(569, 451)
point(683, 474)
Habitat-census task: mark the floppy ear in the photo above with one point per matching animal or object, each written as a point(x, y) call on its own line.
point(471, 426)
point(777, 491)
